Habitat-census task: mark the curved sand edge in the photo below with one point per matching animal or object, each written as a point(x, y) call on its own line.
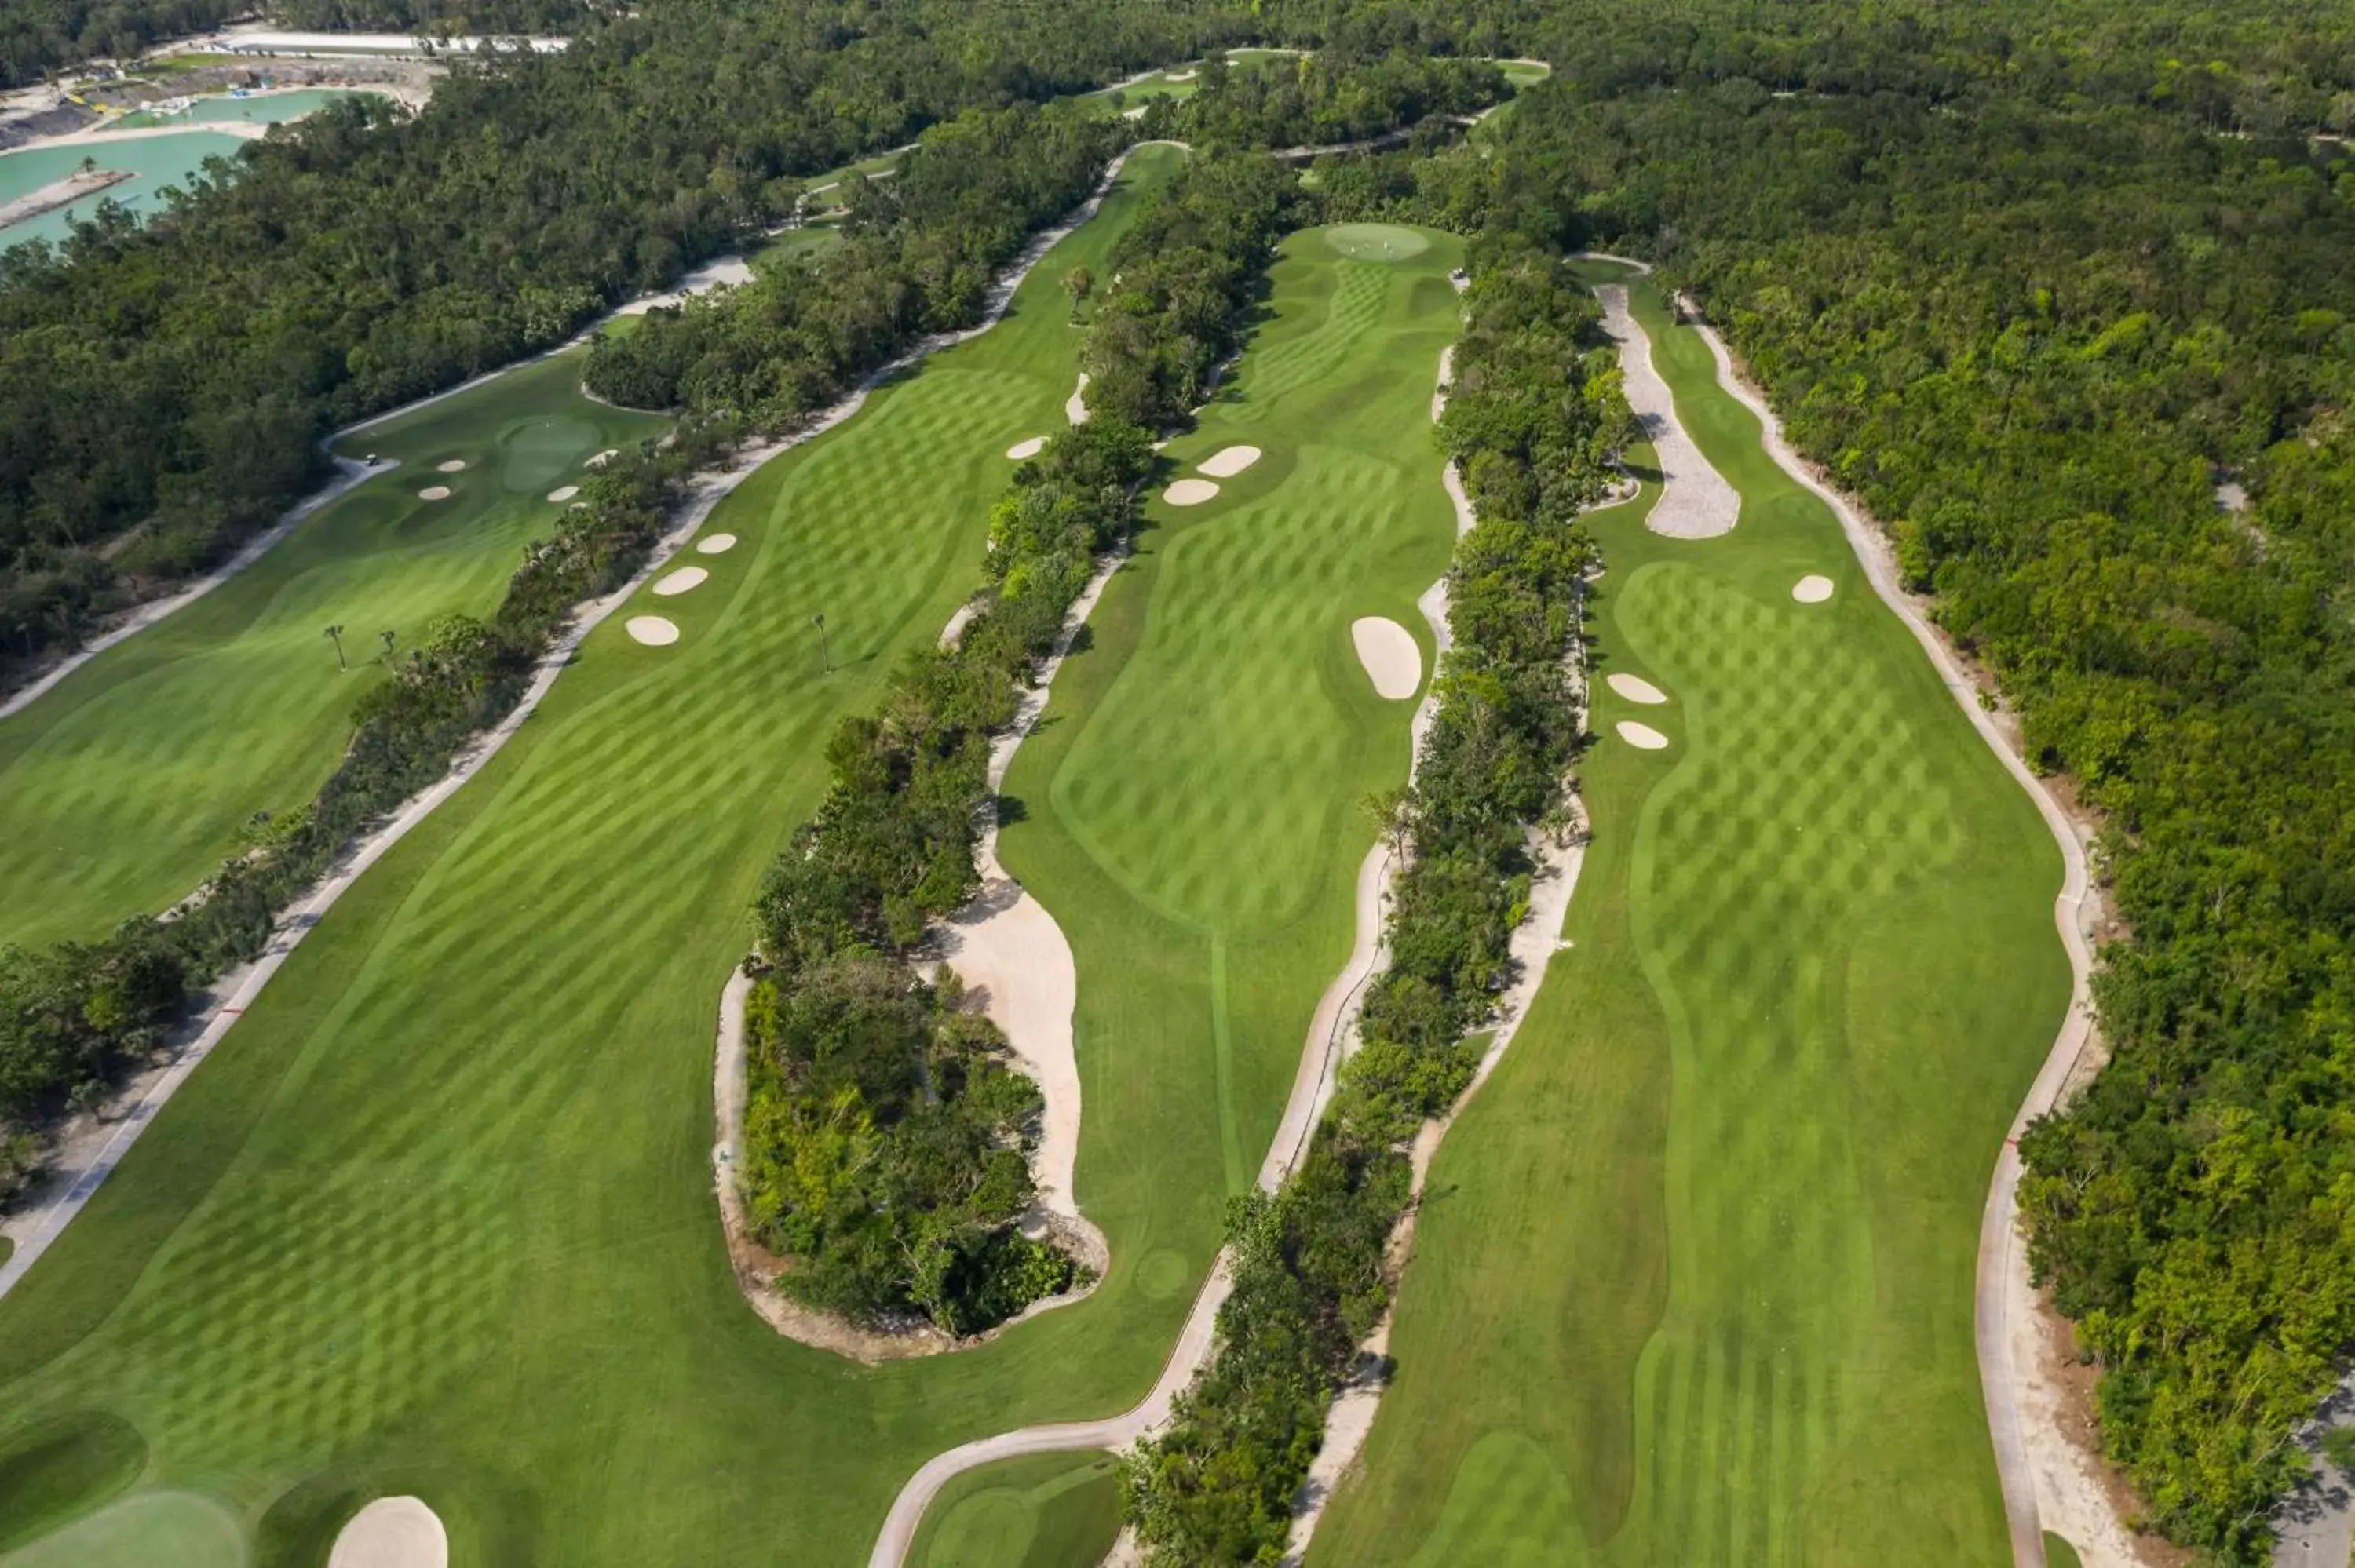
point(1075, 407)
point(1228, 462)
point(434, 493)
point(715, 544)
point(37, 1221)
point(686, 578)
point(1190, 493)
point(1013, 957)
point(1387, 650)
point(1637, 689)
point(1696, 502)
point(1023, 452)
point(2048, 1480)
point(392, 1532)
point(1642, 737)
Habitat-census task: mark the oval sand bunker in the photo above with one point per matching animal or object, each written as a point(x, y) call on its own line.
point(1190, 493)
point(1642, 737)
point(601, 459)
point(1637, 689)
point(1022, 451)
point(1387, 650)
point(392, 1532)
point(718, 544)
point(434, 493)
point(1228, 462)
point(680, 581)
point(651, 630)
point(564, 493)
point(1813, 589)
point(455, 465)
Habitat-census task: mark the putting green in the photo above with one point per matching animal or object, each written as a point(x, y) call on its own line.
point(1700, 1291)
point(1046, 1511)
point(1376, 241)
point(437, 1216)
point(157, 1527)
point(123, 786)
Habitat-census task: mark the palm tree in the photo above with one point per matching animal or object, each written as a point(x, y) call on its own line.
point(334, 634)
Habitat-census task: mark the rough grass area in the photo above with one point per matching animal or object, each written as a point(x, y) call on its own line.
point(1693, 1278)
point(123, 786)
point(2059, 1553)
point(1047, 1510)
point(437, 1216)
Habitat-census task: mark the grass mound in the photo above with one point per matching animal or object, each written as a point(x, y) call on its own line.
point(63, 1467)
point(1046, 1511)
point(1376, 241)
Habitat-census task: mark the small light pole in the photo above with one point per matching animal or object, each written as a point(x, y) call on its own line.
point(825, 652)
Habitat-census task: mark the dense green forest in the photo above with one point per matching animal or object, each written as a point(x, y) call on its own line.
point(2021, 296)
point(163, 388)
point(1536, 420)
point(38, 37)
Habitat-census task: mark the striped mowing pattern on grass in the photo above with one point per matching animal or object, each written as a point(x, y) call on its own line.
point(125, 786)
point(1695, 1287)
point(437, 1217)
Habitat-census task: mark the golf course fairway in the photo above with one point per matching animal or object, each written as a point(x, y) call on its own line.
point(436, 1219)
point(123, 786)
point(1693, 1282)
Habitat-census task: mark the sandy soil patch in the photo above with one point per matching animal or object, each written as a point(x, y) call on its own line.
point(1075, 407)
point(1696, 502)
point(1182, 76)
point(954, 632)
point(434, 493)
point(1642, 737)
point(1136, 113)
point(1190, 493)
point(1637, 689)
point(1813, 589)
point(1023, 452)
point(601, 459)
point(564, 493)
point(718, 544)
point(654, 630)
point(392, 1532)
point(1388, 652)
point(680, 581)
point(454, 465)
point(1228, 462)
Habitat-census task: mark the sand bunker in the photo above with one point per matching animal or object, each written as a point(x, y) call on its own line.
point(1637, 689)
point(601, 459)
point(455, 465)
point(1181, 76)
point(1388, 652)
point(1023, 452)
point(1190, 493)
point(392, 1532)
point(1695, 501)
point(1075, 407)
point(434, 493)
point(680, 581)
point(1228, 462)
point(651, 630)
point(1813, 589)
point(1642, 737)
point(564, 493)
point(718, 544)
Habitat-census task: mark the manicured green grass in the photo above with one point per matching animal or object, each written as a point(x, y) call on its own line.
point(437, 1215)
point(1047, 1511)
point(1693, 1279)
point(53, 1470)
point(125, 785)
point(2059, 1553)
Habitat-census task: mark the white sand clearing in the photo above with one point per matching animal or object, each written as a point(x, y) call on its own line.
point(651, 630)
point(1136, 113)
point(718, 544)
point(1190, 493)
point(1075, 407)
point(1181, 76)
point(564, 493)
point(1023, 452)
point(601, 459)
point(1388, 652)
point(392, 1532)
point(434, 493)
point(680, 581)
point(1228, 462)
point(1813, 589)
point(1637, 689)
point(1695, 502)
point(1642, 737)
point(455, 465)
